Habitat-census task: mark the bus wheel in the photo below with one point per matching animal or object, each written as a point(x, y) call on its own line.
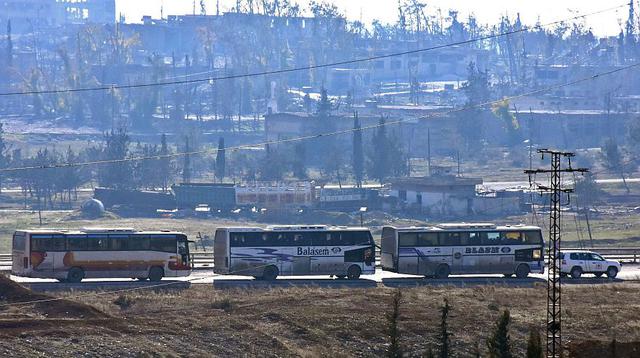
point(75, 275)
point(443, 271)
point(522, 271)
point(354, 271)
point(156, 273)
point(270, 273)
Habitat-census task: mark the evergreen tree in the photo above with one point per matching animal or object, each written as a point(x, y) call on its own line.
point(386, 157)
point(394, 350)
point(5, 157)
point(499, 343)
point(445, 336)
point(534, 344)
point(118, 174)
point(186, 165)
point(358, 152)
point(299, 161)
point(164, 167)
point(9, 45)
point(220, 160)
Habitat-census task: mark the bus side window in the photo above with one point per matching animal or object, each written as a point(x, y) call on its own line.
point(474, 239)
point(77, 242)
point(300, 238)
point(97, 243)
point(138, 243)
point(428, 239)
point(454, 239)
point(511, 238)
point(492, 238)
point(408, 239)
point(464, 238)
point(532, 237)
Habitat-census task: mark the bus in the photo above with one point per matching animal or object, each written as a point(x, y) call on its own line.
point(294, 251)
point(73, 255)
point(446, 249)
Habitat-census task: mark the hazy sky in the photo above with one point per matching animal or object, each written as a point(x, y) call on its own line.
point(608, 23)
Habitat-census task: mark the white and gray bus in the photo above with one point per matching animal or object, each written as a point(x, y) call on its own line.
point(293, 251)
point(73, 255)
point(463, 248)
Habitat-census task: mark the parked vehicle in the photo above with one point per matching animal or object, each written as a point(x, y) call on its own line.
point(578, 262)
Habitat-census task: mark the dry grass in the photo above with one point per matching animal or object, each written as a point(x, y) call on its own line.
point(309, 322)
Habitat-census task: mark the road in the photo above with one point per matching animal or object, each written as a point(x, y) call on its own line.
point(501, 185)
point(629, 273)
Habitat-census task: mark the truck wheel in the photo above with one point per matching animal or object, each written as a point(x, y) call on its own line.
point(576, 272)
point(75, 275)
point(354, 271)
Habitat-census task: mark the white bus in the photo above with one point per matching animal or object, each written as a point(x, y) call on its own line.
point(446, 249)
point(294, 250)
point(72, 255)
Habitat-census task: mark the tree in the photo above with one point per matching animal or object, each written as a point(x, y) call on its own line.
point(299, 161)
point(499, 343)
point(477, 91)
point(445, 336)
point(614, 160)
point(165, 167)
point(5, 157)
point(358, 152)
point(534, 344)
point(394, 350)
point(117, 174)
point(386, 157)
point(272, 168)
point(186, 165)
point(220, 160)
point(509, 120)
point(9, 45)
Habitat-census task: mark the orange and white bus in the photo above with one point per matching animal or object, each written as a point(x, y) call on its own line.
point(73, 255)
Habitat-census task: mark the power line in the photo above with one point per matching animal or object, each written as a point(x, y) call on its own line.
point(328, 134)
point(311, 67)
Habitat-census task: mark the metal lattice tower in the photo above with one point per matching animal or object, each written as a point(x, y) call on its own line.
point(555, 189)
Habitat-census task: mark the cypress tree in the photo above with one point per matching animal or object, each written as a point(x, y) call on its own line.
point(220, 160)
point(186, 166)
point(534, 344)
point(394, 350)
point(358, 153)
point(499, 343)
point(445, 336)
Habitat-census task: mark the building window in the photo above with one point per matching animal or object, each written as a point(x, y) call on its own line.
point(402, 194)
point(419, 198)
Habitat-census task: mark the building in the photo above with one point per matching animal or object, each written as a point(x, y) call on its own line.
point(436, 195)
point(36, 15)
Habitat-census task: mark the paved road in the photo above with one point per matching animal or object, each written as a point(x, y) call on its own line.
point(501, 185)
point(390, 279)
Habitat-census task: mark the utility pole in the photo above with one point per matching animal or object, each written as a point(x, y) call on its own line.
point(554, 319)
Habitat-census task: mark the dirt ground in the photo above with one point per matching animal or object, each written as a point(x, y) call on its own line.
point(307, 322)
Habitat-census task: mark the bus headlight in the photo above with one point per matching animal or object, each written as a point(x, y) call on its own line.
point(537, 254)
